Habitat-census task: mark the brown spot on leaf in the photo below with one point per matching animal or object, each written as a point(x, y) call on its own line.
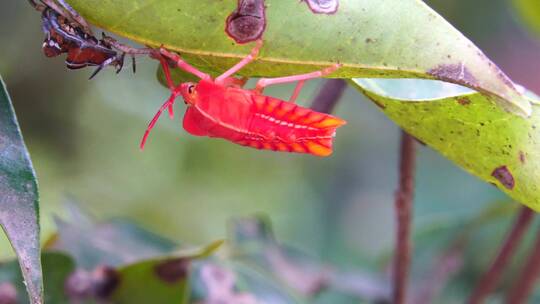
point(504, 176)
point(248, 22)
point(522, 157)
point(173, 270)
point(454, 73)
point(323, 6)
point(105, 280)
point(464, 101)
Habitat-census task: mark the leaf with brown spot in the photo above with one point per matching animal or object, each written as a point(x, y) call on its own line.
point(362, 35)
point(481, 138)
point(159, 280)
point(19, 198)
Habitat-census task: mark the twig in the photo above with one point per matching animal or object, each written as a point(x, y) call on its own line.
point(404, 197)
point(329, 95)
point(489, 280)
point(523, 286)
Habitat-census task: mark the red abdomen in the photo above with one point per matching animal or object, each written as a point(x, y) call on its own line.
point(262, 122)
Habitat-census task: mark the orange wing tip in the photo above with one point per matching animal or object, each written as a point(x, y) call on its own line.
point(330, 122)
point(318, 150)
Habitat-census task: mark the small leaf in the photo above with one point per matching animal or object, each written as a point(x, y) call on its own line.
point(19, 198)
point(159, 280)
point(497, 147)
point(371, 38)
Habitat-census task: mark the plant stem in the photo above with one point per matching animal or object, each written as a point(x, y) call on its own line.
point(490, 279)
point(524, 285)
point(328, 96)
point(403, 202)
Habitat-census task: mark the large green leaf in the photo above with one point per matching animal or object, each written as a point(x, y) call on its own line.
point(498, 147)
point(529, 11)
point(19, 198)
point(371, 38)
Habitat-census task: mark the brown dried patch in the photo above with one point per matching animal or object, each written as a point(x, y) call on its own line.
point(464, 101)
point(504, 176)
point(173, 270)
point(323, 6)
point(248, 22)
point(454, 73)
point(105, 280)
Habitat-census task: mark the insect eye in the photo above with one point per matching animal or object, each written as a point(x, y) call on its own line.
point(191, 89)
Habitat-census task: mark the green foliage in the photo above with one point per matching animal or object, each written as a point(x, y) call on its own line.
point(19, 197)
point(370, 40)
point(490, 143)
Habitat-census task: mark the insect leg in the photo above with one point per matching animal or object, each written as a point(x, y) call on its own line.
point(184, 65)
point(264, 82)
point(170, 83)
point(297, 90)
point(126, 48)
point(249, 58)
point(167, 105)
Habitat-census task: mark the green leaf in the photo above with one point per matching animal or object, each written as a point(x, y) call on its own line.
point(498, 147)
point(371, 38)
point(19, 198)
point(159, 280)
point(529, 11)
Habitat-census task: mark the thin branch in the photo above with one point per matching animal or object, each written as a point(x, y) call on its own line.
point(403, 202)
point(524, 285)
point(490, 279)
point(329, 95)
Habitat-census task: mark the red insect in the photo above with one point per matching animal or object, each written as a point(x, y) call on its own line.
point(221, 108)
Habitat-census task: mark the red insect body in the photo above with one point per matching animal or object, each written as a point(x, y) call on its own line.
point(258, 121)
point(221, 108)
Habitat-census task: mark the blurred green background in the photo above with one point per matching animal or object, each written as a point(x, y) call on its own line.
point(83, 136)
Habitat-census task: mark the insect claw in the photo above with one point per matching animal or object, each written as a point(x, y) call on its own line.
point(98, 69)
point(134, 64)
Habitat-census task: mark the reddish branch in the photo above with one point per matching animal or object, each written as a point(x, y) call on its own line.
point(329, 95)
point(489, 280)
point(404, 198)
point(525, 283)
